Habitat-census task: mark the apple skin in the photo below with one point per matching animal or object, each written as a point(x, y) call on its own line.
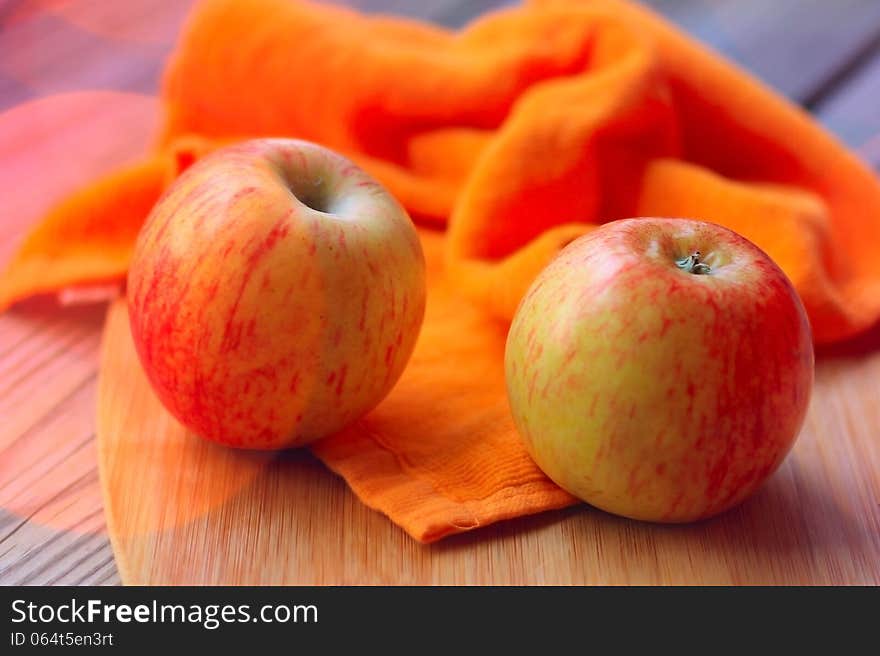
point(262, 321)
point(653, 392)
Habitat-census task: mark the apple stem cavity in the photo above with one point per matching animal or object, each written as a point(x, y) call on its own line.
point(692, 264)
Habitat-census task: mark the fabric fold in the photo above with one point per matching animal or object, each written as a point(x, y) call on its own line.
point(513, 136)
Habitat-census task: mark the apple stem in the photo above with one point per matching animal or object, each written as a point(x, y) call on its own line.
point(692, 264)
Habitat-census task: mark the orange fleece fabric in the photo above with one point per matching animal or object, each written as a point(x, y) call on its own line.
point(514, 135)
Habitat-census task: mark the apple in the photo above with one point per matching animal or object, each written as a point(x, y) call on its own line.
point(275, 294)
point(660, 369)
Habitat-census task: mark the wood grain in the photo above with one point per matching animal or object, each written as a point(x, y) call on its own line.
point(51, 522)
point(51, 516)
point(254, 518)
point(802, 48)
point(51, 519)
point(853, 114)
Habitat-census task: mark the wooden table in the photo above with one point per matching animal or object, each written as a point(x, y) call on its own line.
point(80, 65)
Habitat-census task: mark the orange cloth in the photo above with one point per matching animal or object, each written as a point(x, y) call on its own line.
point(519, 133)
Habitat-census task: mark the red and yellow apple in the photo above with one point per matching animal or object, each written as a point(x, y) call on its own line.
point(275, 294)
point(660, 369)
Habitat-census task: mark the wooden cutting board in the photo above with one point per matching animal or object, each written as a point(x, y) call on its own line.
point(181, 510)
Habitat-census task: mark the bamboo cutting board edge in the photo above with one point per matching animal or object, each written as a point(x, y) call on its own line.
point(811, 524)
point(73, 559)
